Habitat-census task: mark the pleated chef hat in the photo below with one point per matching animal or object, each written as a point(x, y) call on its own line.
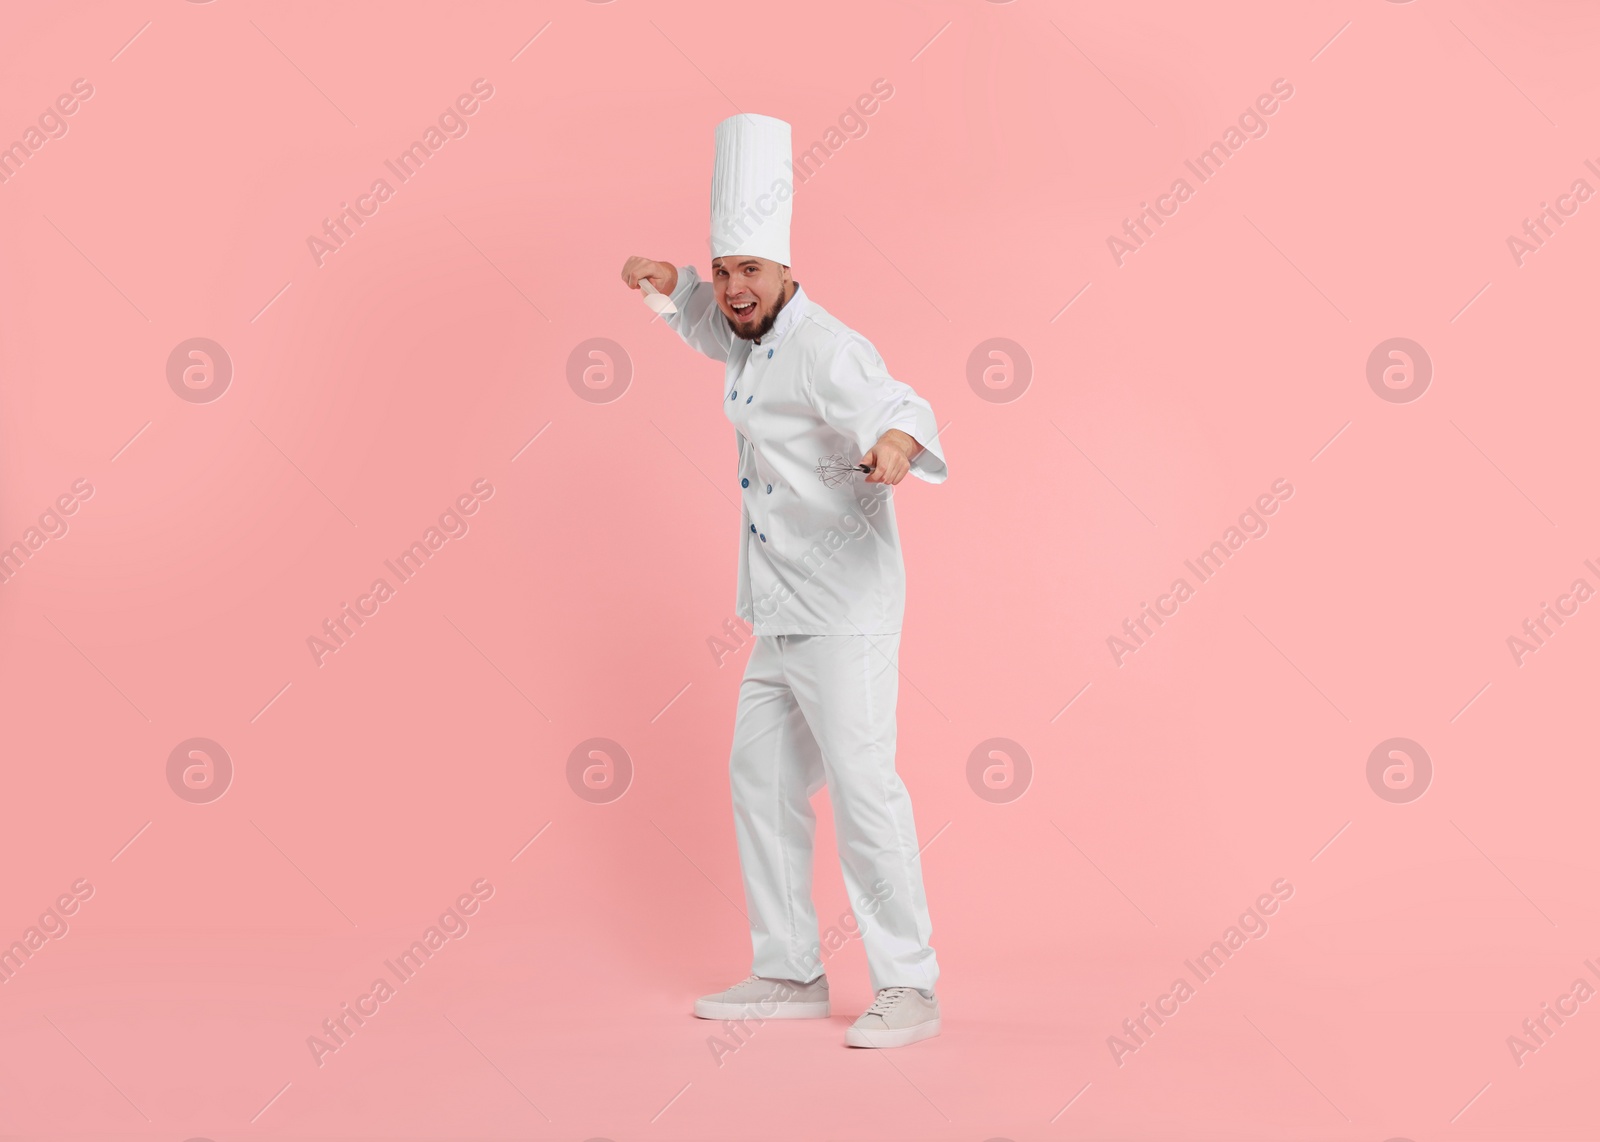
point(751, 190)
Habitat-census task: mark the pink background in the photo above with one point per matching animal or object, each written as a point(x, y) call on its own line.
point(369, 393)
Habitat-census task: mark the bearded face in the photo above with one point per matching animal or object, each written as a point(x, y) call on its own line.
point(750, 292)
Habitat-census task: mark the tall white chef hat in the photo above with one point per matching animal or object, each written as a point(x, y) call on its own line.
point(751, 188)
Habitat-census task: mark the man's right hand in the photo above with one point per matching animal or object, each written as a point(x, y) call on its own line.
point(662, 275)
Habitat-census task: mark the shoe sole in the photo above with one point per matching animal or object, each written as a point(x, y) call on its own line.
point(718, 1009)
point(856, 1037)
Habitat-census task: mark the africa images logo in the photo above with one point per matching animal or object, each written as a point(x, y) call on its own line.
point(451, 124)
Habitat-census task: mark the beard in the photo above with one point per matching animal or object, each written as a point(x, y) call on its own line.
point(761, 328)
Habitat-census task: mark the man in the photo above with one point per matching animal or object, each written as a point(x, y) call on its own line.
point(822, 583)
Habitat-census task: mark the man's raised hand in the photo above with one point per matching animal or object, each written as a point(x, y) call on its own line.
point(662, 275)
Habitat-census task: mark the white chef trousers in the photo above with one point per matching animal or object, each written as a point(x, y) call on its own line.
point(815, 710)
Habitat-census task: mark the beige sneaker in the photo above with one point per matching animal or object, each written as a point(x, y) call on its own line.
point(899, 1015)
point(758, 997)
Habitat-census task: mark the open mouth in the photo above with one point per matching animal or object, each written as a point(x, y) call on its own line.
point(743, 311)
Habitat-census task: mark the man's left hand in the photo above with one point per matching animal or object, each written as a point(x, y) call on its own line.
point(891, 457)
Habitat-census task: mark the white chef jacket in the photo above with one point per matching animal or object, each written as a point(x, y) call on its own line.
point(807, 402)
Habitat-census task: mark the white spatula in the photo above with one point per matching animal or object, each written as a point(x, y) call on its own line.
point(655, 299)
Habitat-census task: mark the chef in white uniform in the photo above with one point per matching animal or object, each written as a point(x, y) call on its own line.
point(822, 583)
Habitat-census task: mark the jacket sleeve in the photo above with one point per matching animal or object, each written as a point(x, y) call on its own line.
point(855, 394)
point(698, 320)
